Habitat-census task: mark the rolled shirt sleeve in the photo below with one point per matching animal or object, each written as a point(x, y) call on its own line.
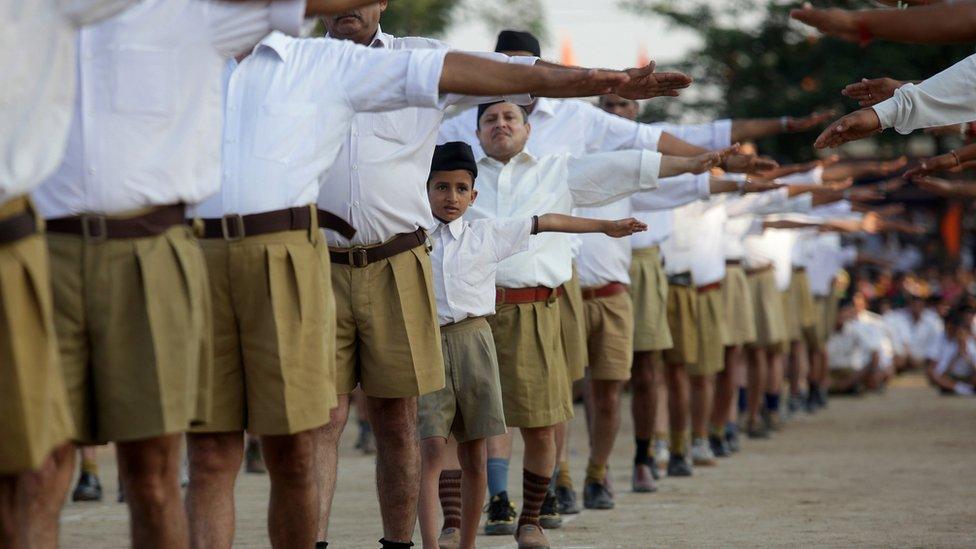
point(673, 192)
point(948, 97)
point(710, 135)
point(609, 132)
point(381, 80)
point(464, 101)
point(600, 178)
point(758, 203)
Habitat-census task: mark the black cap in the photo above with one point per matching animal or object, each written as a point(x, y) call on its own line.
point(513, 40)
point(455, 155)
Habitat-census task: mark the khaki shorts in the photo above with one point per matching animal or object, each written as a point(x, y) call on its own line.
point(740, 317)
point(33, 400)
point(274, 333)
point(532, 364)
point(683, 324)
point(133, 318)
point(649, 291)
point(610, 336)
point(573, 326)
point(712, 334)
point(470, 406)
point(387, 335)
point(767, 304)
point(820, 329)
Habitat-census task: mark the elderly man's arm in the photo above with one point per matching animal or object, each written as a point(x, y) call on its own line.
point(935, 24)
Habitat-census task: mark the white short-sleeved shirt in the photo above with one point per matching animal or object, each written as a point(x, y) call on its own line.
point(695, 244)
point(37, 57)
point(465, 259)
point(527, 186)
point(851, 347)
point(951, 362)
point(148, 115)
point(289, 109)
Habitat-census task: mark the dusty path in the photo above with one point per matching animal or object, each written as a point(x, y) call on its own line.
point(886, 470)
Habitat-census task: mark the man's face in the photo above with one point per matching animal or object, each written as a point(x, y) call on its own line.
point(916, 306)
point(845, 315)
point(359, 25)
point(860, 303)
point(450, 193)
point(503, 131)
point(619, 106)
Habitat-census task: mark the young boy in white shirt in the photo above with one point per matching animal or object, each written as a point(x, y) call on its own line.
point(465, 257)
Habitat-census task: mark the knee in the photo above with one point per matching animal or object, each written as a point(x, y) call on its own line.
point(394, 420)
point(337, 422)
point(538, 436)
point(608, 404)
point(290, 457)
point(432, 452)
point(211, 456)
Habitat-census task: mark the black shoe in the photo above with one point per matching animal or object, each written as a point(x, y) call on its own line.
point(719, 447)
point(566, 501)
point(757, 431)
point(811, 405)
point(549, 517)
point(795, 404)
point(596, 496)
point(771, 420)
point(88, 488)
point(501, 516)
point(732, 439)
point(678, 466)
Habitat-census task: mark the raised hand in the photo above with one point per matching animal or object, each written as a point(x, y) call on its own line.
point(808, 122)
point(943, 162)
point(854, 126)
point(889, 167)
point(838, 186)
point(759, 186)
point(833, 21)
point(623, 227)
point(871, 222)
point(870, 92)
point(934, 185)
point(674, 165)
point(644, 83)
point(583, 83)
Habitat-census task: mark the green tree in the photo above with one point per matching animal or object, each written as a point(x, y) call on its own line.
point(755, 62)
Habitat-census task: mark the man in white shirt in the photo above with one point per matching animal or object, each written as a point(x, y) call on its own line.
point(516, 183)
point(954, 372)
point(396, 356)
point(926, 329)
point(852, 352)
point(469, 408)
point(130, 290)
point(36, 459)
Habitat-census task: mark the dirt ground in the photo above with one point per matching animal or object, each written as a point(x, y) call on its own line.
point(892, 470)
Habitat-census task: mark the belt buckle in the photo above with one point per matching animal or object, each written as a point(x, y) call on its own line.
point(99, 235)
point(238, 225)
point(356, 253)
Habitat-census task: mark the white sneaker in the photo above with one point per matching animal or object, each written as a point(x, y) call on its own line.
point(701, 452)
point(662, 455)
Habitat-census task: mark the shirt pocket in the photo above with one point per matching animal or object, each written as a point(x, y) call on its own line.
point(477, 267)
point(144, 80)
point(286, 132)
point(395, 126)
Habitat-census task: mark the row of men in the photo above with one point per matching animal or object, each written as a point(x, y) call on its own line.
point(134, 293)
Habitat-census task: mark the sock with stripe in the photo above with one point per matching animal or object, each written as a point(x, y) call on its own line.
point(534, 489)
point(449, 491)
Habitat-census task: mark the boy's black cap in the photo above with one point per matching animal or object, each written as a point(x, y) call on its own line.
point(455, 155)
point(513, 40)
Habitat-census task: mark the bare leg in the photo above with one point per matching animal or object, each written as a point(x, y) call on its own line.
point(775, 376)
point(394, 422)
point(327, 462)
point(215, 459)
point(40, 495)
point(661, 421)
point(293, 512)
point(540, 450)
point(725, 387)
point(150, 471)
point(756, 380)
point(432, 452)
point(643, 385)
point(606, 418)
point(702, 394)
point(474, 477)
point(678, 398)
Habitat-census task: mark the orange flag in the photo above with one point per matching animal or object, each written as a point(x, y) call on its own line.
point(568, 57)
point(951, 229)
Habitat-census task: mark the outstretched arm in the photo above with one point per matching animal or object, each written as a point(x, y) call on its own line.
point(935, 24)
point(559, 223)
point(331, 7)
point(749, 129)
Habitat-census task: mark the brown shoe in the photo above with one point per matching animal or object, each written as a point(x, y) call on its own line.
point(450, 538)
point(530, 536)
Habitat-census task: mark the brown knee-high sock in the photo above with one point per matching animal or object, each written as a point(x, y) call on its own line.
point(534, 488)
point(449, 491)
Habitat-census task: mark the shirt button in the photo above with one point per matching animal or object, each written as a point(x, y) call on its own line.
point(355, 166)
point(355, 203)
point(91, 170)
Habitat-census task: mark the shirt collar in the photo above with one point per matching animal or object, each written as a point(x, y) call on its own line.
point(456, 227)
point(524, 156)
point(276, 42)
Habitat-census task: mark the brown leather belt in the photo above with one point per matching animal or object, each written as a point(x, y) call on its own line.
point(799, 269)
point(759, 270)
point(17, 226)
point(235, 226)
point(331, 221)
point(607, 290)
point(95, 227)
point(359, 257)
point(680, 279)
point(515, 296)
point(710, 287)
point(733, 262)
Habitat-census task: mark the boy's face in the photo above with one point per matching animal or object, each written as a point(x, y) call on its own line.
point(450, 193)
